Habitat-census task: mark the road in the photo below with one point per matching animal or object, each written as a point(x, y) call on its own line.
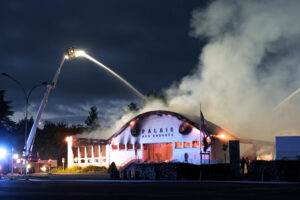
point(93, 189)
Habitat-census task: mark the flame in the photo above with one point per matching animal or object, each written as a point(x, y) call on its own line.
point(266, 157)
point(222, 136)
point(132, 123)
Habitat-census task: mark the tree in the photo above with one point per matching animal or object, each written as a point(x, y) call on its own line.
point(151, 96)
point(50, 141)
point(92, 120)
point(19, 133)
point(21, 123)
point(6, 124)
point(132, 107)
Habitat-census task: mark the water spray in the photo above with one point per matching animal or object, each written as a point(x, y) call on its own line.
point(73, 53)
point(286, 99)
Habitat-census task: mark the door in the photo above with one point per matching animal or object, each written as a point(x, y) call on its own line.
point(157, 152)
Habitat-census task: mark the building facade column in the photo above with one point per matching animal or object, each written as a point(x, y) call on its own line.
point(100, 153)
point(108, 147)
point(70, 152)
point(93, 157)
point(85, 156)
point(79, 156)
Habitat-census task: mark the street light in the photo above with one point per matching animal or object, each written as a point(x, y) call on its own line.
point(27, 95)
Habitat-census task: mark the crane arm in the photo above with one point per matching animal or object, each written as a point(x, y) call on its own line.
point(32, 134)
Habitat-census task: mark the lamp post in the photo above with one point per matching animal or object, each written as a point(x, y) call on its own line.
point(63, 162)
point(27, 95)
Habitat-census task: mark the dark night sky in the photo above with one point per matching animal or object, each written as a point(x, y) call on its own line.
point(146, 42)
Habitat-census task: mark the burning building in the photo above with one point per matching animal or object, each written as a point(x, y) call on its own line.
point(156, 136)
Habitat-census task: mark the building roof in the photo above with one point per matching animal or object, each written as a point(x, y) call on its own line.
point(193, 120)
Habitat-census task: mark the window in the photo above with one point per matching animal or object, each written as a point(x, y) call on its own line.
point(103, 150)
point(195, 143)
point(137, 146)
point(178, 145)
point(122, 147)
point(187, 144)
point(129, 146)
point(96, 150)
point(89, 151)
point(114, 147)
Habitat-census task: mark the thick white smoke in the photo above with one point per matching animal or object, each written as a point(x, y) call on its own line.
point(249, 64)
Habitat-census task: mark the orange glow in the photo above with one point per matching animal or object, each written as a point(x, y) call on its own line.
point(132, 123)
point(195, 143)
point(122, 147)
point(178, 144)
point(137, 146)
point(222, 136)
point(129, 146)
point(186, 144)
point(114, 147)
point(69, 139)
point(208, 139)
point(266, 157)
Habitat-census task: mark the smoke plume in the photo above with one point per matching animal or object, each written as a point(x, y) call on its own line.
point(249, 64)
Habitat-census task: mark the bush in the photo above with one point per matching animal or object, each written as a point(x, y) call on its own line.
point(276, 170)
point(81, 170)
point(114, 173)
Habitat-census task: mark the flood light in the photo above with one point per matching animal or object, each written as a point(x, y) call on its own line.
point(72, 52)
point(3, 153)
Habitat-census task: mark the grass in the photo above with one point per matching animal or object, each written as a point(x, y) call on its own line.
point(80, 170)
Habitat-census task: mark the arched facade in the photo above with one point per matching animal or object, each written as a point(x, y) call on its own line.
point(156, 136)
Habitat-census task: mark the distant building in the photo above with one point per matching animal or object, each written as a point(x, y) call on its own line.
point(288, 148)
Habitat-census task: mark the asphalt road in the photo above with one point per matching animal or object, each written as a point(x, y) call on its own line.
point(92, 189)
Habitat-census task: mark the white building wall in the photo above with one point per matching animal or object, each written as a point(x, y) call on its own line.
point(157, 129)
point(153, 129)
